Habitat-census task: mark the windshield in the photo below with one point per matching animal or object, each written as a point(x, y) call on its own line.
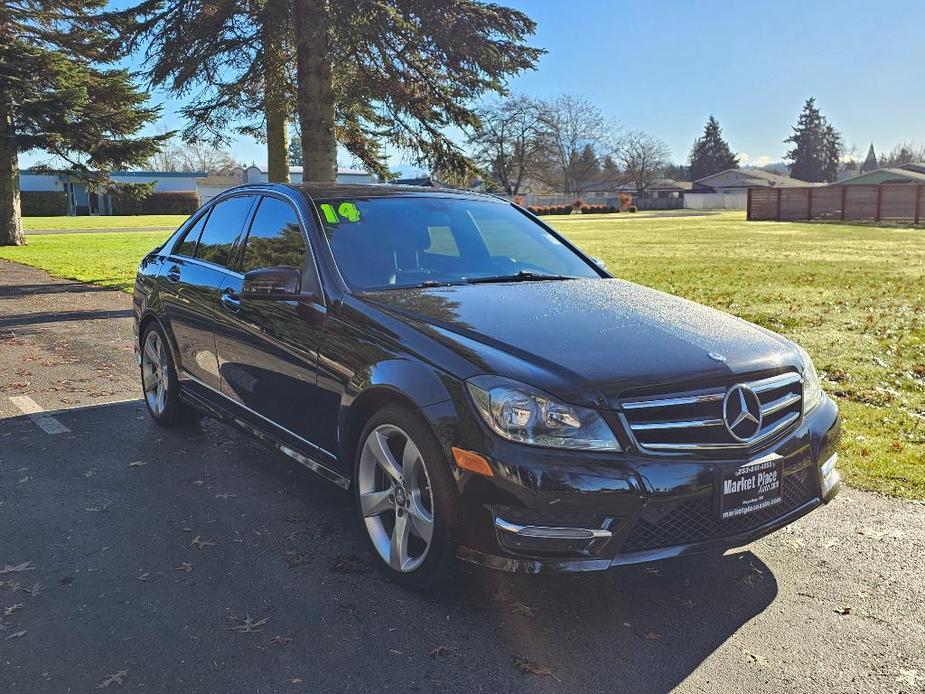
point(383, 243)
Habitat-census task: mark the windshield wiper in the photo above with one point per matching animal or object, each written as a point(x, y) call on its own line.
point(522, 276)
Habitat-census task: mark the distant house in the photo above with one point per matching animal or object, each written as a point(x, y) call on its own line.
point(260, 174)
point(737, 180)
point(913, 174)
point(729, 189)
point(81, 201)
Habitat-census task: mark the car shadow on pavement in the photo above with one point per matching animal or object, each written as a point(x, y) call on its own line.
point(59, 316)
point(198, 560)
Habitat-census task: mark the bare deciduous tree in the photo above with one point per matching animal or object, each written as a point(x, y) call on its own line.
point(569, 125)
point(176, 155)
point(642, 157)
point(507, 143)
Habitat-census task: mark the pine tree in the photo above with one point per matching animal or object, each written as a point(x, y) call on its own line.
point(357, 73)
point(232, 57)
point(817, 146)
point(870, 163)
point(400, 71)
point(57, 95)
point(710, 153)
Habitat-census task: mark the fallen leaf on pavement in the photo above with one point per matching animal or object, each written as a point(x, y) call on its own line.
point(16, 635)
point(281, 640)
point(754, 657)
point(25, 566)
point(35, 589)
point(347, 564)
point(199, 543)
point(114, 678)
point(651, 636)
point(224, 495)
point(522, 608)
point(440, 651)
point(185, 566)
point(137, 463)
point(531, 667)
point(13, 609)
point(843, 610)
point(295, 558)
point(248, 625)
point(144, 577)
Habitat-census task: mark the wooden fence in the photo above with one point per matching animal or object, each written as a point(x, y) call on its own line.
point(884, 203)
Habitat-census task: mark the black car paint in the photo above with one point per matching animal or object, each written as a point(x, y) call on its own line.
point(302, 375)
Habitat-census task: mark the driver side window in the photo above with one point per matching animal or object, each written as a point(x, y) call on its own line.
point(275, 238)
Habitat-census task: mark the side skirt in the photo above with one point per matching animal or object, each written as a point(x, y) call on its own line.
point(265, 437)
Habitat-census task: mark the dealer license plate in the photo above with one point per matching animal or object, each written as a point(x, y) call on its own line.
point(751, 488)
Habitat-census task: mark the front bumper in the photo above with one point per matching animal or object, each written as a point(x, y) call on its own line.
point(560, 511)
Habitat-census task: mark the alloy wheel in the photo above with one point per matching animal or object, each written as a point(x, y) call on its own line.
point(395, 498)
point(154, 372)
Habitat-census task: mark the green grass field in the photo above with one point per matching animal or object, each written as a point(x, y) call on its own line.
point(114, 222)
point(853, 296)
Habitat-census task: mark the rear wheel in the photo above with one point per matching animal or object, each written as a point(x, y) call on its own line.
point(159, 381)
point(406, 498)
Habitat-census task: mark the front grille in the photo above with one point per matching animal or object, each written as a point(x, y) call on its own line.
point(693, 420)
point(695, 520)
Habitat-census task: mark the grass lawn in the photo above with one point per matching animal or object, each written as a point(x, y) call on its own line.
point(104, 222)
point(109, 260)
point(853, 296)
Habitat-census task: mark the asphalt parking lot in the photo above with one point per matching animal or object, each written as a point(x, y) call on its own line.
point(136, 558)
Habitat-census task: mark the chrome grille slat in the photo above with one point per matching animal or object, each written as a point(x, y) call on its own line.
point(779, 404)
point(671, 402)
point(774, 382)
point(693, 421)
point(692, 424)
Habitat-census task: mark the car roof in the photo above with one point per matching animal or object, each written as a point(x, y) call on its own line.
point(323, 191)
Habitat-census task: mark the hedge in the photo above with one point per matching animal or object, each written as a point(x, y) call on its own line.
point(174, 202)
point(43, 203)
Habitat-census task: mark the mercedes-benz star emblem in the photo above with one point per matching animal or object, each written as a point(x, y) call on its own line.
point(742, 413)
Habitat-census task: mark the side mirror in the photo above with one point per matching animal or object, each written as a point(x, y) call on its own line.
point(600, 263)
point(281, 283)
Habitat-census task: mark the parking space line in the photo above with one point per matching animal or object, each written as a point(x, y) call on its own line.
point(34, 411)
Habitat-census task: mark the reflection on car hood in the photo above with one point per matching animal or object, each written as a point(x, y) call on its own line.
point(584, 339)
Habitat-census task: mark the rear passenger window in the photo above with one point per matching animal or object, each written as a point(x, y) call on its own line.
point(187, 245)
point(222, 228)
point(275, 237)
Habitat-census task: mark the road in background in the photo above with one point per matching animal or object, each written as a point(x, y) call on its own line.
point(198, 561)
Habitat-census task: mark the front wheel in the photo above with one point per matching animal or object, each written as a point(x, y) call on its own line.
point(406, 498)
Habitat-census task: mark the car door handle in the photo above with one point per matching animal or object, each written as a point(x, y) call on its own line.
point(230, 300)
point(173, 274)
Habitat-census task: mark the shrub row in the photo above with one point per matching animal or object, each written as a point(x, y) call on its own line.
point(598, 209)
point(550, 209)
point(173, 202)
point(43, 203)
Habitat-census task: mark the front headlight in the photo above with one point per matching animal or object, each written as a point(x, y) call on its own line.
point(812, 388)
point(524, 414)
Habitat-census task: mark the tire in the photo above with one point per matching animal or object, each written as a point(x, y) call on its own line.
point(417, 486)
point(160, 386)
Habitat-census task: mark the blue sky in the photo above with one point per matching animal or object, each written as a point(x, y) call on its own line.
point(665, 66)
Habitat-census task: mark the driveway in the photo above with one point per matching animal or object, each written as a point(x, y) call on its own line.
point(137, 558)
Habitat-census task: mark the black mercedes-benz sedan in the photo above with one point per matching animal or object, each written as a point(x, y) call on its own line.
point(487, 391)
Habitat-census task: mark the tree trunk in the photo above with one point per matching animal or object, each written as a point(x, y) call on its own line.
point(10, 219)
point(314, 90)
point(276, 103)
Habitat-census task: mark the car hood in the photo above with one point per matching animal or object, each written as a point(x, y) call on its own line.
point(588, 341)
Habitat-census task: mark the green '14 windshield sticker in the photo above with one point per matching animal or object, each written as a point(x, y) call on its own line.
point(346, 210)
